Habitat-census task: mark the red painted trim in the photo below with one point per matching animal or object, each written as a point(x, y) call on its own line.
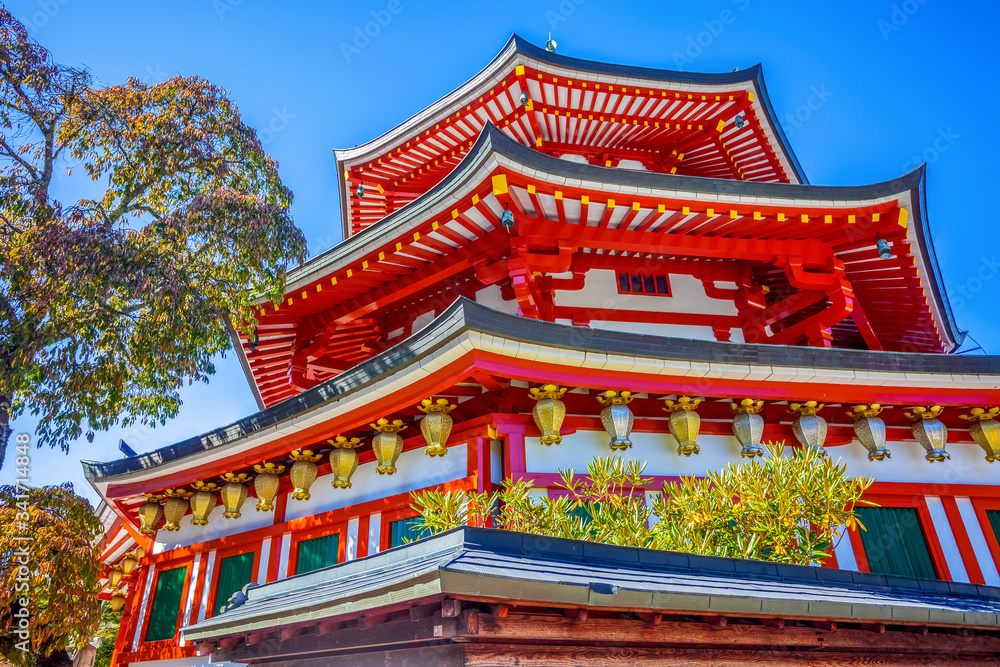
point(165, 643)
point(274, 557)
point(362, 548)
point(860, 557)
point(969, 559)
point(199, 589)
point(980, 505)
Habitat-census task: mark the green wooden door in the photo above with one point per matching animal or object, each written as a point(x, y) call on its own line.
point(894, 542)
point(166, 604)
point(317, 553)
point(403, 531)
point(235, 572)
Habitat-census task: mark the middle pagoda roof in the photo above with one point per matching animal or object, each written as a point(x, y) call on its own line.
point(609, 115)
point(815, 243)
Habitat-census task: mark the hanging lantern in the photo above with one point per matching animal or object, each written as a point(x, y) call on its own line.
point(343, 460)
point(303, 472)
point(985, 430)
point(617, 418)
point(748, 426)
point(233, 494)
point(140, 553)
point(809, 428)
point(115, 576)
point(149, 514)
point(202, 501)
point(266, 484)
point(436, 426)
point(930, 432)
point(870, 430)
point(175, 506)
point(684, 424)
point(549, 412)
point(128, 563)
point(387, 445)
point(117, 600)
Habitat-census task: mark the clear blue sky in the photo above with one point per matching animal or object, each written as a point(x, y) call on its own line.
point(865, 90)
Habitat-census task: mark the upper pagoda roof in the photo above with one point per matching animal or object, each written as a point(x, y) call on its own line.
point(667, 215)
point(669, 121)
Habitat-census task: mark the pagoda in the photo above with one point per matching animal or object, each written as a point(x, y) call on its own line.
point(552, 230)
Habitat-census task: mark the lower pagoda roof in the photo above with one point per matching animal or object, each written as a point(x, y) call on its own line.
point(476, 569)
point(468, 336)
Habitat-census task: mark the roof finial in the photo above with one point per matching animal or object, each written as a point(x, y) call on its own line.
point(550, 45)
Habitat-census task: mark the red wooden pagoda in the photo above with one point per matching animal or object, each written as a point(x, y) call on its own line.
point(555, 221)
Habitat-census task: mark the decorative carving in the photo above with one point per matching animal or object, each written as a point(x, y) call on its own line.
point(343, 460)
point(266, 484)
point(549, 412)
point(616, 417)
point(870, 430)
point(930, 432)
point(985, 430)
point(684, 424)
point(809, 428)
point(748, 426)
point(436, 426)
point(387, 444)
point(303, 472)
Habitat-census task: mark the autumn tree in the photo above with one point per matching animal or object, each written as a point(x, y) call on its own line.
point(789, 509)
point(109, 302)
point(48, 560)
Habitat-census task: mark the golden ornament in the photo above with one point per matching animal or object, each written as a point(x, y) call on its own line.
point(202, 501)
point(387, 445)
point(303, 472)
point(748, 426)
point(266, 484)
point(233, 494)
point(985, 430)
point(436, 426)
point(343, 460)
point(617, 417)
point(930, 432)
point(549, 412)
point(684, 424)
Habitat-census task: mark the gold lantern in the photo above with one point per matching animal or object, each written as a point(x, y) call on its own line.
point(233, 494)
point(616, 417)
point(870, 430)
point(436, 426)
point(387, 445)
point(985, 430)
point(343, 460)
point(748, 426)
point(266, 484)
point(175, 505)
point(149, 514)
point(117, 600)
point(140, 553)
point(684, 424)
point(549, 412)
point(115, 575)
point(809, 428)
point(304, 472)
point(202, 501)
point(128, 563)
point(930, 432)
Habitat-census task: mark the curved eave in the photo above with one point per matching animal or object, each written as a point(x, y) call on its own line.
point(494, 141)
point(466, 318)
point(517, 46)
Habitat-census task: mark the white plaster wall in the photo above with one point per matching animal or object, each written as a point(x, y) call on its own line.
point(491, 298)
point(907, 463)
point(946, 538)
point(217, 527)
point(414, 470)
point(601, 291)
